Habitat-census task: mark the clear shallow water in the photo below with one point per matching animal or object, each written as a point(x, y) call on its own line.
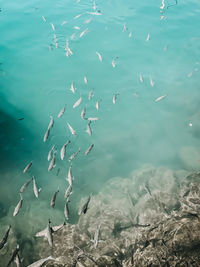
point(35, 83)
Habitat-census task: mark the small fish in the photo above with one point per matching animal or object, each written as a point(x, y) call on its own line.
point(27, 167)
point(66, 210)
point(100, 56)
point(52, 163)
point(115, 98)
point(69, 176)
point(83, 32)
point(50, 47)
point(85, 206)
point(124, 28)
point(5, 238)
point(74, 155)
point(49, 234)
point(85, 79)
point(94, 6)
point(63, 23)
point(92, 119)
point(24, 186)
point(44, 18)
point(77, 103)
point(130, 34)
point(68, 191)
point(114, 63)
point(141, 78)
point(162, 17)
point(89, 149)
point(148, 37)
point(72, 88)
point(88, 20)
point(78, 16)
point(151, 81)
point(160, 98)
point(51, 123)
point(53, 27)
point(56, 45)
point(50, 153)
point(35, 188)
point(20, 119)
point(89, 130)
point(39, 263)
point(46, 135)
point(97, 13)
point(73, 36)
point(98, 104)
point(15, 252)
point(83, 113)
point(163, 5)
point(53, 200)
point(76, 28)
point(90, 94)
point(63, 150)
point(62, 112)
point(190, 124)
point(71, 129)
point(18, 260)
point(19, 205)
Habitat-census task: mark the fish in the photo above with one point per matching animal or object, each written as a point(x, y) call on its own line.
point(148, 37)
point(68, 192)
point(96, 236)
point(19, 205)
point(15, 252)
point(46, 135)
point(69, 176)
point(53, 27)
point(100, 56)
point(66, 210)
point(115, 98)
point(35, 188)
point(18, 260)
point(89, 149)
point(160, 98)
point(63, 23)
point(71, 129)
point(130, 34)
point(98, 104)
point(72, 88)
point(90, 94)
point(60, 114)
point(124, 28)
point(141, 78)
point(52, 162)
point(77, 103)
point(5, 238)
point(92, 119)
point(83, 32)
point(73, 36)
point(85, 206)
point(24, 186)
point(76, 28)
point(83, 113)
point(97, 13)
point(78, 16)
point(44, 18)
point(49, 234)
point(89, 130)
point(114, 63)
point(51, 123)
point(63, 150)
point(74, 155)
point(94, 6)
point(53, 200)
point(50, 153)
point(20, 119)
point(151, 81)
point(85, 79)
point(163, 5)
point(39, 263)
point(27, 167)
point(88, 20)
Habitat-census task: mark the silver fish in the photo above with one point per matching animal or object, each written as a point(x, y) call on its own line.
point(63, 150)
point(92, 119)
point(124, 28)
point(114, 63)
point(98, 104)
point(89, 149)
point(35, 188)
point(78, 16)
point(66, 210)
point(151, 81)
point(90, 94)
point(19, 205)
point(141, 78)
point(39, 263)
point(88, 20)
point(115, 98)
point(130, 34)
point(52, 162)
point(15, 252)
point(72, 88)
point(94, 6)
point(46, 135)
point(76, 27)
point(68, 192)
point(69, 176)
point(53, 27)
point(53, 200)
point(85, 206)
point(51, 123)
point(89, 130)
point(71, 129)
point(44, 18)
point(100, 56)
point(85, 79)
point(62, 112)
point(83, 113)
point(49, 234)
point(77, 103)
point(84, 32)
point(97, 13)
point(160, 98)
point(50, 153)
point(24, 186)
point(74, 155)
point(148, 37)
point(5, 238)
point(27, 167)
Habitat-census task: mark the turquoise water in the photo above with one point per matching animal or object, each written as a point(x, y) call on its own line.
point(35, 80)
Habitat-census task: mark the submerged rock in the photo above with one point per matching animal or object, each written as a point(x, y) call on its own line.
point(148, 219)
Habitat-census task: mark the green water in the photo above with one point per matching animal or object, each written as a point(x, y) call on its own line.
point(35, 83)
